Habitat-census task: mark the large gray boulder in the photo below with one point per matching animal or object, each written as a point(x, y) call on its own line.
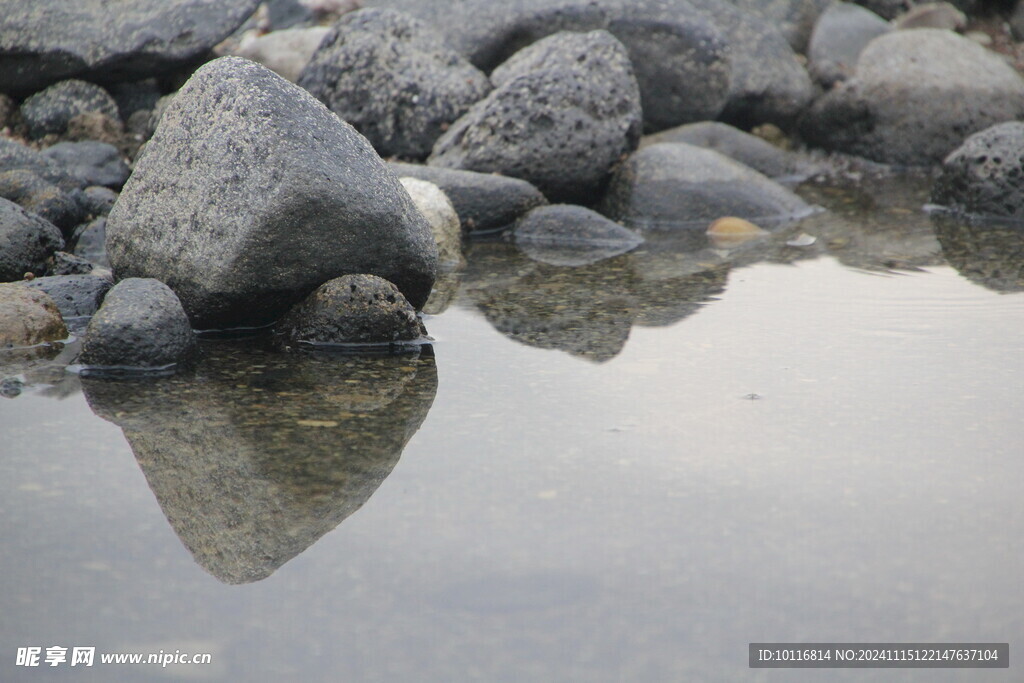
point(914, 97)
point(45, 41)
point(394, 79)
point(485, 202)
point(251, 194)
point(669, 186)
point(26, 242)
point(841, 34)
point(563, 111)
point(680, 57)
point(985, 175)
point(141, 324)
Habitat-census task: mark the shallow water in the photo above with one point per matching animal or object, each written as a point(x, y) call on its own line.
point(622, 471)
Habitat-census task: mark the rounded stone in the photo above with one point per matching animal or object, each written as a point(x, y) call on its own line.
point(353, 309)
point(435, 206)
point(141, 324)
point(28, 317)
point(985, 175)
point(26, 242)
point(52, 109)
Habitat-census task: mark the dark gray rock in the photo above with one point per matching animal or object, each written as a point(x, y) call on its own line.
point(35, 194)
point(566, 235)
point(795, 19)
point(485, 202)
point(914, 97)
point(90, 241)
point(18, 157)
point(28, 317)
point(394, 79)
point(69, 264)
point(985, 175)
point(51, 110)
point(251, 194)
point(94, 163)
point(680, 57)
point(840, 35)
point(26, 242)
point(133, 96)
point(141, 324)
point(97, 200)
point(891, 9)
point(769, 84)
point(353, 309)
point(563, 111)
point(45, 41)
point(75, 295)
point(675, 185)
point(249, 479)
point(745, 148)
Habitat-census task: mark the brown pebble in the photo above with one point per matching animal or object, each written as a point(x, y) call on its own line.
point(30, 276)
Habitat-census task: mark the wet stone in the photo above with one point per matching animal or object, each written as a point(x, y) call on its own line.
point(566, 235)
point(353, 309)
point(985, 175)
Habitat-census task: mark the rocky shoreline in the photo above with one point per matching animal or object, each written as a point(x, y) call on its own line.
point(317, 167)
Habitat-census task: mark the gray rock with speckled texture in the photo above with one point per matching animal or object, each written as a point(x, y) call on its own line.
point(92, 162)
point(140, 324)
point(563, 111)
point(75, 295)
point(51, 110)
point(251, 194)
point(45, 41)
point(26, 242)
point(394, 79)
point(985, 175)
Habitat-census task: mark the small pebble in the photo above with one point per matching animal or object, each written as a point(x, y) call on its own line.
point(731, 231)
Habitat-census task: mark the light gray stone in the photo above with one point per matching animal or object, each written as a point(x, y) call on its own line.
point(914, 97)
point(566, 235)
point(286, 52)
point(840, 35)
point(435, 206)
point(251, 194)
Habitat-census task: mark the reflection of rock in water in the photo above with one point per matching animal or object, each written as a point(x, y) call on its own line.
point(255, 456)
point(589, 311)
point(990, 254)
point(877, 225)
point(586, 311)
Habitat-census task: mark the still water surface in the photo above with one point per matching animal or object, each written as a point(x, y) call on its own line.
point(619, 471)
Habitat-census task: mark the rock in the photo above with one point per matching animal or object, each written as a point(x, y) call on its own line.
point(251, 194)
point(97, 200)
point(394, 79)
point(249, 479)
point(18, 157)
point(94, 163)
point(69, 264)
point(353, 309)
point(987, 253)
point(941, 15)
point(563, 111)
point(51, 110)
point(680, 57)
point(285, 52)
point(75, 295)
point(98, 127)
point(90, 241)
point(769, 84)
point(887, 9)
point(485, 202)
point(566, 235)
point(141, 324)
point(914, 97)
point(1016, 21)
point(32, 193)
point(45, 41)
point(443, 219)
point(675, 185)
point(134, 96)
point(984, 176)
point(840, 35)
point(729, 232)
point(795, 19)
point(7, 109)
point(284, 14)
point(28, 317)
point(745, 148)
point(26, 242)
